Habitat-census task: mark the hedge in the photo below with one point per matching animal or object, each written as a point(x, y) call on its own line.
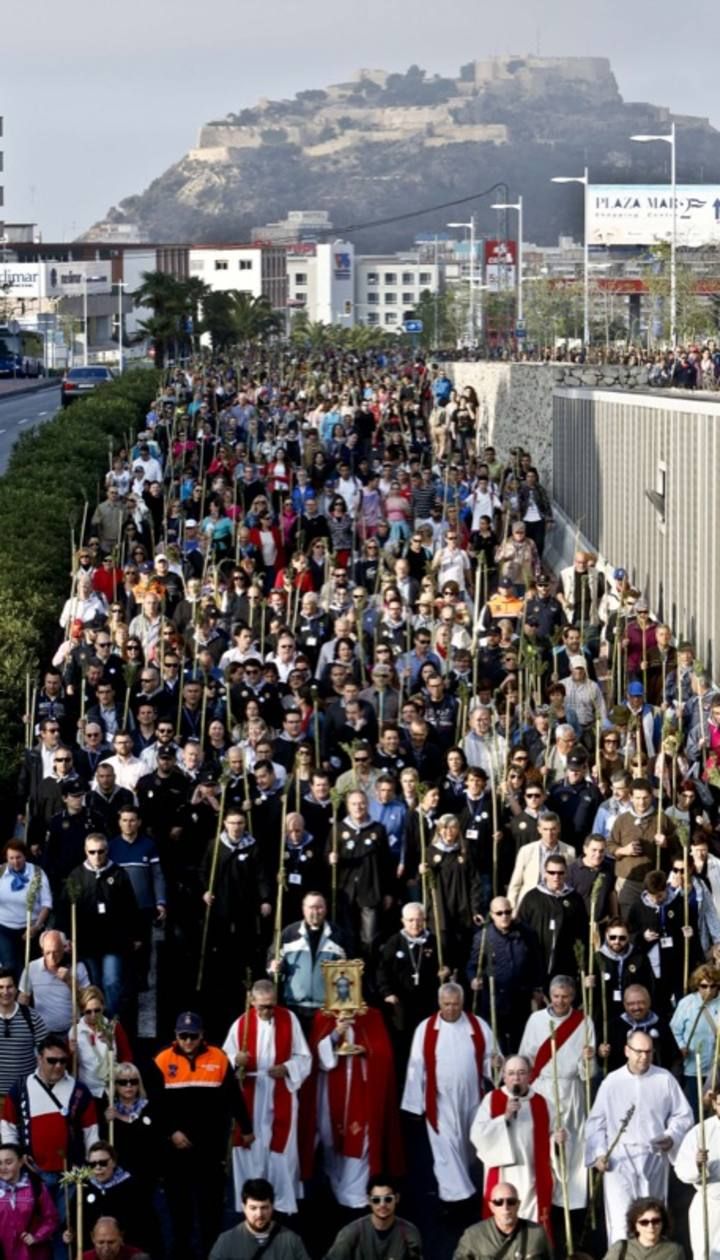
point(52, 470)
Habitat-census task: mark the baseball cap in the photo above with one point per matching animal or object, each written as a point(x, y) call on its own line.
point(505, 582)
point(578, 662)
point(577, 760)
point(543, 580)
point(619, 574)
point(636, 689)
point(641, 605)
point(73, 787)
point(166, 754)
point(209, 776)
point(190, 524)
point(189, 1022)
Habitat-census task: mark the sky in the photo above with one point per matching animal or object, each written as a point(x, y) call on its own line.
point(100, 98)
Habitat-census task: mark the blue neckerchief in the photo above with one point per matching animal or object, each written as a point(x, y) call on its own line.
point(19, 880)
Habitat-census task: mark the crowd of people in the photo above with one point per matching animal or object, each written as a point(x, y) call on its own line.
point(694, 366)
point(356, 852)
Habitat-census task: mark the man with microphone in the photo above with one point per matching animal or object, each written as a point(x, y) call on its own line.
point(512, 1134)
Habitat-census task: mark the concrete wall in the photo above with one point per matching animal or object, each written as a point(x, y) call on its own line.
point(516, 399)
point(609, 450)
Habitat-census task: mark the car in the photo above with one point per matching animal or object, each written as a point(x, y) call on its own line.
point(78, 382)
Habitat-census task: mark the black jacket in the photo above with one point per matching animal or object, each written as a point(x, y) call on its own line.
point(107, 912)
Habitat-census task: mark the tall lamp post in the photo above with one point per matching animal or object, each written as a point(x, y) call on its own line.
point(122, 285)
point(516, 205)
point(643, 139)
point(86, 281)
point(471, 313)
point(584, 180)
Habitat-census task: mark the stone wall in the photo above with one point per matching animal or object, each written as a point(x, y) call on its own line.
point(516, 399)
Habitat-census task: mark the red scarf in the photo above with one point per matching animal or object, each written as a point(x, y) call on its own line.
point(282, 1098)
point(541, 1156)
point(432, 1032)
point(562, 1032)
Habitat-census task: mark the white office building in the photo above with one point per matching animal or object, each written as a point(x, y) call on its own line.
point(388, 285)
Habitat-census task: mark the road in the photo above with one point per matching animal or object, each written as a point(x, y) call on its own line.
point(19, 414)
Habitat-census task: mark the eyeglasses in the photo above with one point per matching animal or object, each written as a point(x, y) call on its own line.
point(128, 1080)
point(505, 1202)
point(650, 1220)
point(56, 1062)
point(94, 1010)
point(188, 1036)
point(99, 1163)
point(382, 1198)
point(708, 984)
point(622, 939)
point(501, 913)
point(533, 795)
point(61, 761)
point(361, 761)
point(96, 852)
point(678, 870)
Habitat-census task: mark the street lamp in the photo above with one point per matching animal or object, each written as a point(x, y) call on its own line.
point(121, 284)
point(582, 179)
point(643, 139)
point(87, 280)
point(471, 313)
point(516, 205)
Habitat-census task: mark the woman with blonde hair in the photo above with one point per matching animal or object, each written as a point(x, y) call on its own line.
point(694, 1025)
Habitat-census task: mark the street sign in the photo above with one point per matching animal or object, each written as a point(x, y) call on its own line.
point(521, 323)
point(520, 333)
point(413, 326)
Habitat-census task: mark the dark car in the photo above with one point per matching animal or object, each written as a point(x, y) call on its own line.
point(80, 381)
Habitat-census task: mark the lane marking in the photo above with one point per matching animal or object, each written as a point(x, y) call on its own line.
point(43, 413)
point(3, 430)
point(26, 420)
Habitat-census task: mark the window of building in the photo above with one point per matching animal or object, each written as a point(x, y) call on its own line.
point(373, 317)
point(300, 278)
point(390, 299)
point(390, 277)
point(408, 299)
point(244, 264)
point(425, 278)
point(373, 277)
point(221, 264)
point(408, 277)
point(373, 297)
point(197, 264)
point(391, 317)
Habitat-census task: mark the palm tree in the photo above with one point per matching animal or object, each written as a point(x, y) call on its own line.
point(175, 310)
point(253, 318)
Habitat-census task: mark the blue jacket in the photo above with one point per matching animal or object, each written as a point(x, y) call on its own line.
point(141, 860)
point(301, 976)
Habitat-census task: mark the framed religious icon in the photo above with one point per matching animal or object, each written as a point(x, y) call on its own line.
point(343, 987)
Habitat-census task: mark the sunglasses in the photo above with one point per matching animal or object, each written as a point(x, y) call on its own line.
point(708, 984)
point(128, 1080)
point(650, 1220)
point(505, 1202)
point(93, 1010)
point(96, 852)
point(618, 938)
point(382, 1198)
point(678, 870)
point(56, 1062)
point(502, 913)
point(186, 1036)
point(99, 1163)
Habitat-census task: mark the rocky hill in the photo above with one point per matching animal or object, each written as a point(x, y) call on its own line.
point(384, 144)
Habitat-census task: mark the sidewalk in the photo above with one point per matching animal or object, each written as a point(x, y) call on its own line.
point(15, 389)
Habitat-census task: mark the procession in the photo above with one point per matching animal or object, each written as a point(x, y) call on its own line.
point(364, 894)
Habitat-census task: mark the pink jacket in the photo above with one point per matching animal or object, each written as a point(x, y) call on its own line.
point(26, 1212)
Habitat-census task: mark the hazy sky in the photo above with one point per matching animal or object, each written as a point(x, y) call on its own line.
point(99, 98)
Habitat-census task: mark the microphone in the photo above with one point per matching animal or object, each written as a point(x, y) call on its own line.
point(515, 1092)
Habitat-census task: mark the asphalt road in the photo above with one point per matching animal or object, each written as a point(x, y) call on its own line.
point(19, 414)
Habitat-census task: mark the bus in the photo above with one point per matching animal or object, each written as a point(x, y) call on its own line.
point(20, 353)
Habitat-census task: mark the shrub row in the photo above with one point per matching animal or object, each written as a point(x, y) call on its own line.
point(53, 469)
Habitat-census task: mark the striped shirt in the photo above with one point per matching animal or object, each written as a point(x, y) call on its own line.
point(19, 1035)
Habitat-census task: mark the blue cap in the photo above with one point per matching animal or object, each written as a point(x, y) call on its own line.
point(619, 574)
point(188, 1022)
point(636, 689)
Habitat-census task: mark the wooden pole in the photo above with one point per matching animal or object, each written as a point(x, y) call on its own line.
point(211, 885)
point(562, 1158)
point(703, 1166)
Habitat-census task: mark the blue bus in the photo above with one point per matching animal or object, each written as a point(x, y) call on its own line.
point(20, 354)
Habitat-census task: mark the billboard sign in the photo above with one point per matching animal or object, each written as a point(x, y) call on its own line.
point(641, 214)
point(500, 259)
